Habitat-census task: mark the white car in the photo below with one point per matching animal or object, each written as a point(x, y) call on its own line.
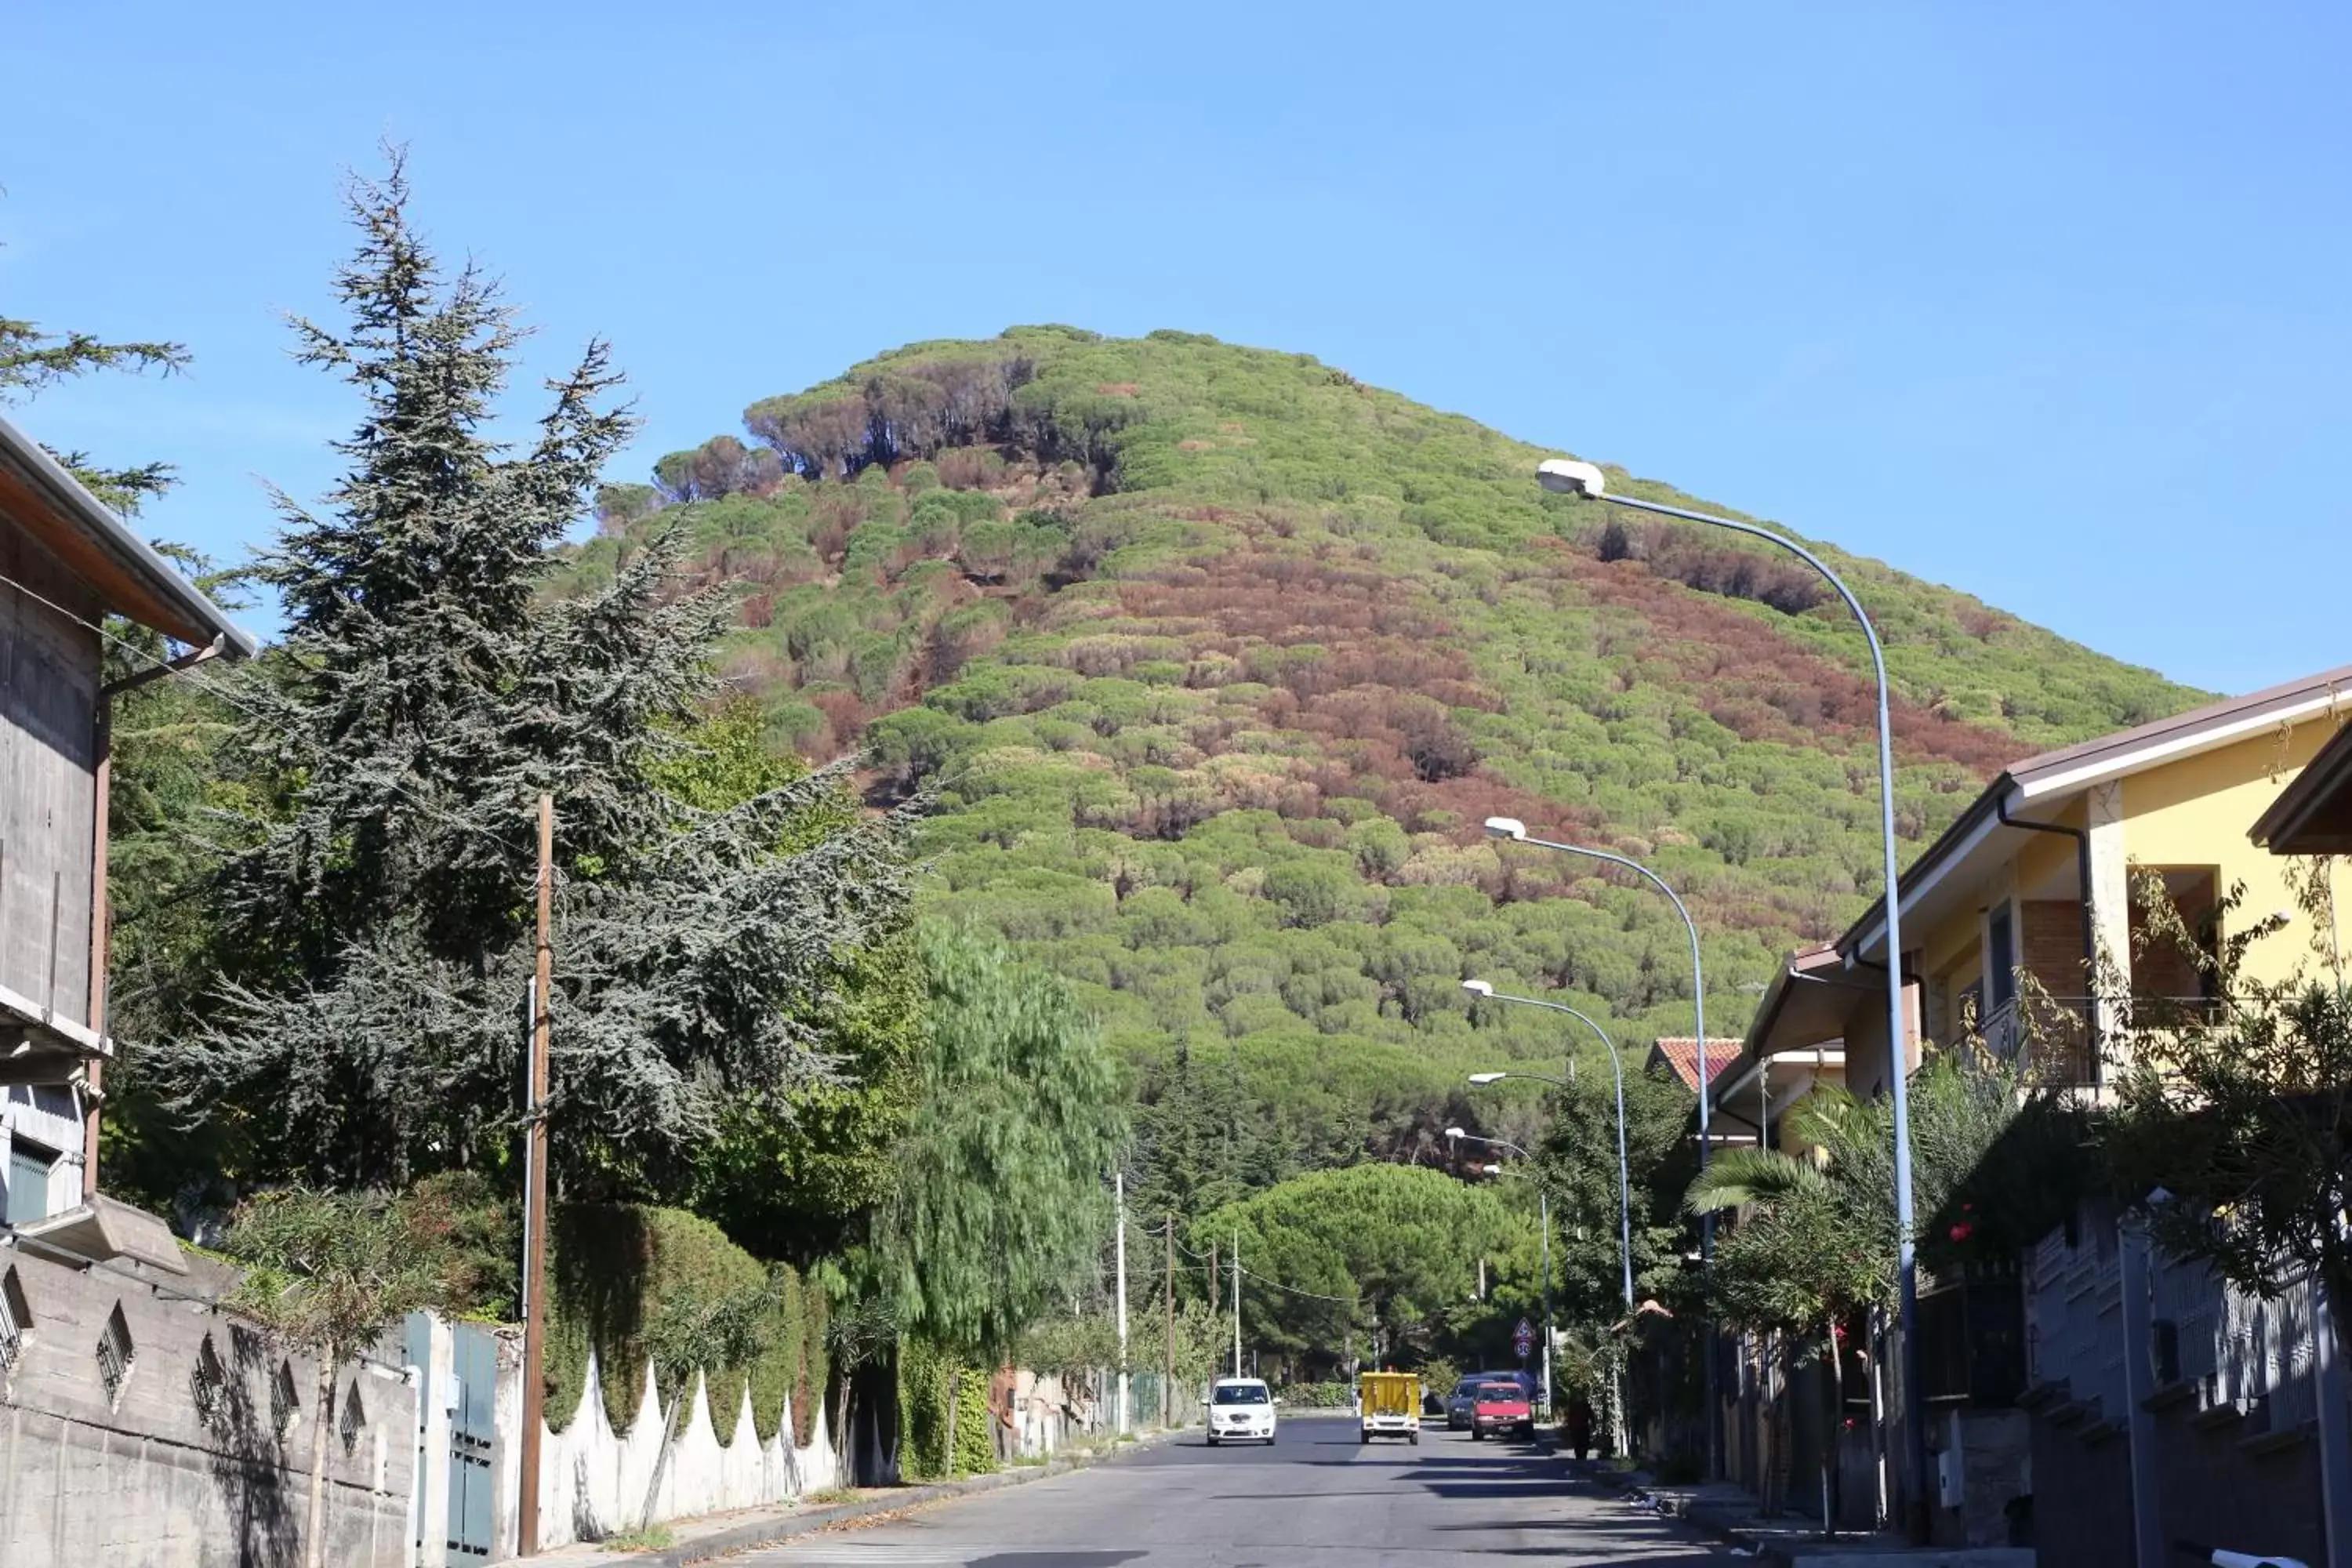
point(1240, 1409)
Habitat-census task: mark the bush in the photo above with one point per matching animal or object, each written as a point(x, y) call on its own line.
point(1318, 1395)
point(609, 1267)
point(925, 1379)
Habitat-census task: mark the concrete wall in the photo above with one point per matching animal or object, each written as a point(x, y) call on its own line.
point(2234, 1430)
point(188, 1463)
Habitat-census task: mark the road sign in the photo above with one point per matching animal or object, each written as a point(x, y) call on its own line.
point(1523, 1338)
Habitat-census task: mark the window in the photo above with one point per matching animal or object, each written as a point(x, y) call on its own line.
point(1241, 1393)
point(351, 1420)
point(285, 1404)
point(209, 1382)
point(116, 1356)
point(16, 1320)
point(2001, 939)
point(30, 1165)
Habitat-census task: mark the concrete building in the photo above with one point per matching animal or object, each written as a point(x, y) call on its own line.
point(66, 565)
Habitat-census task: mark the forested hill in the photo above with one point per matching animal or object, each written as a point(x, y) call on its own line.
point(1218, 657)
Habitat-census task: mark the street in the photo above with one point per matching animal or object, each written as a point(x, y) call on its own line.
point(1316, 1497)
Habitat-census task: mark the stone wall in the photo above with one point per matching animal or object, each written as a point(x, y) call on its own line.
point(185, 1442)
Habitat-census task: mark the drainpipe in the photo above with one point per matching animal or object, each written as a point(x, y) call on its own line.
point(2093, 1014)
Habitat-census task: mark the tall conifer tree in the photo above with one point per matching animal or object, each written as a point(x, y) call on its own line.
point(376, 929)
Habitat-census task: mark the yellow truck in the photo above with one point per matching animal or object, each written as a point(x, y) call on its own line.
point(1389, 1405)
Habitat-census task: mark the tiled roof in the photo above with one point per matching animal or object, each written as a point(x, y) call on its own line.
point(1681, 1053)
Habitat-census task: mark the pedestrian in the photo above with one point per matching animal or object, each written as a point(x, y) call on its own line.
point(1580, 1425)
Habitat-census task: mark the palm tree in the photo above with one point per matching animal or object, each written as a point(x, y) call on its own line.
point(1815, 1243)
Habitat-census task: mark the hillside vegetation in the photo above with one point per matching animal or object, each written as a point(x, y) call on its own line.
point(1215, 659)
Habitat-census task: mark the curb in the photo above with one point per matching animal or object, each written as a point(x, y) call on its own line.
point(771, 1533)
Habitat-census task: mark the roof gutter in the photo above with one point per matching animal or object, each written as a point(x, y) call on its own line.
point(115, 539)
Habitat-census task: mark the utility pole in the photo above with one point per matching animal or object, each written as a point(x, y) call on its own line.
point(1168, 1284)
point(1237, 1303)
point(534, 1266)
point(1119, 1186)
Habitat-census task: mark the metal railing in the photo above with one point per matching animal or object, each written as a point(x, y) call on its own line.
point(2052, 1037)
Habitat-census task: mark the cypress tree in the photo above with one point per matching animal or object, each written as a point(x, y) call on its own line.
point(376, 929)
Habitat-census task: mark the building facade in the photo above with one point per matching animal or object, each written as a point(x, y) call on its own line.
point(67, 564)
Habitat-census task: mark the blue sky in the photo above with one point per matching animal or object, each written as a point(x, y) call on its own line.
point(2045, 301)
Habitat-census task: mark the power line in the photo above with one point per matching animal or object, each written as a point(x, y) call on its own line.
point(1295, 1291)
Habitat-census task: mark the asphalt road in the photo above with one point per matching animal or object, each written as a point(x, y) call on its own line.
point(1316, 1498)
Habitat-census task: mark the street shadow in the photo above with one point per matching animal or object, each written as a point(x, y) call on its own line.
point(1054, 1559)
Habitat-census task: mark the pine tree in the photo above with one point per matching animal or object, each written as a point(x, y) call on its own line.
point(374, 932)
point(32, 358)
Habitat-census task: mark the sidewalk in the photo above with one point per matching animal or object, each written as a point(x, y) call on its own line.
point(708, 1536)
point(1791, 1540)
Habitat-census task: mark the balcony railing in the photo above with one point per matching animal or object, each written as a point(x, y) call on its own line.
point(2052, 1038)
point(2049, 1036)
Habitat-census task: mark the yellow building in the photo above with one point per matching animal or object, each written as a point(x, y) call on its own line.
point(2003, 915)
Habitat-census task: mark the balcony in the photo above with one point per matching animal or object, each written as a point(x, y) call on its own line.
point(2048, 1036)
point(2051, 1037)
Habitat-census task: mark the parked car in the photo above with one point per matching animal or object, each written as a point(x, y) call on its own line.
point(1458, 1403)
point(1240, 1409)
point(1500, 1408)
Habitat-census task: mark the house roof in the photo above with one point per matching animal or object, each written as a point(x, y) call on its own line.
point(1681, 1053)
point(1805, 1006)
point(51, 504)
point(2043, 783)
point(2313, 816)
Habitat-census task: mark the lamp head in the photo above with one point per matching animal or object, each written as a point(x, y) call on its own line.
point(1567, 477)
point(1483, 1078)
point(1494, 1170)
point(1478, 987)
point(1455, 1132)
point(1506, 828)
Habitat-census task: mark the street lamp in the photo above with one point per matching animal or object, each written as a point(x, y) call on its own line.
point(1512, 828)
point(1565, 476)
point(1624, 1185)
point(1616, 1066)
point(1543, 1222)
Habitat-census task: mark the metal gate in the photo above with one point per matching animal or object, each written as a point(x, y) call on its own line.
point(462, 1390)
point(474, 1361)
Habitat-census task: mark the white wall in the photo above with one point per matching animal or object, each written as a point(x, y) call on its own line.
point(593, 1480)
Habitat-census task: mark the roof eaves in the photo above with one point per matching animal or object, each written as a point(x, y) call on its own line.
point(2215, 723)
point(2326, 777)
point(114, 539)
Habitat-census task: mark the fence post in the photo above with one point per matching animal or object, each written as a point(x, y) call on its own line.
point(2140, 1378)
point(2329, 1385)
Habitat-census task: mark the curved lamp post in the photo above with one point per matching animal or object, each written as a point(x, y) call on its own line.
point(1566, 476)
point(1624, 1178)
point(1617, 1065)
point(1512, 828)
point(1543, 1222)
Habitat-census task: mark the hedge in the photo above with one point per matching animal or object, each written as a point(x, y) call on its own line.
point(924, 1374)
point(610, 1264)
